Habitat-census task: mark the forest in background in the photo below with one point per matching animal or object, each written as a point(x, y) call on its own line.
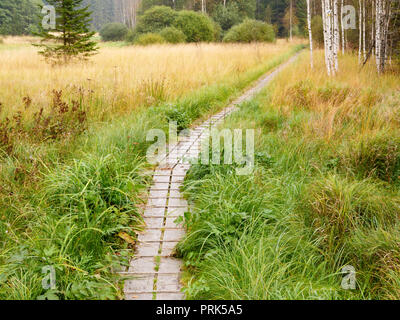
point(19, 17)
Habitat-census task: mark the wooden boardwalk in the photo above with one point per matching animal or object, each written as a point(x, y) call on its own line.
point(155, 273)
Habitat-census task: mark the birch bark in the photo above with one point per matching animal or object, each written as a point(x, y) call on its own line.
point(364, 30)
point(378, 35)
point(329, 32)
point(336, 37)
point(203, 6)
point(331, 37)
point(373, 24)
point(359, 31)
point(310, 33)
point(341, 22)
point(325, 28)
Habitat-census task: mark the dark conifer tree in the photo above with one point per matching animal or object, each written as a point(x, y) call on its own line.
point(72, 38)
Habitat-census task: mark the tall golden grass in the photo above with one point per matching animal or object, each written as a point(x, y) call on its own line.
point(355, 102)
point(119, 80)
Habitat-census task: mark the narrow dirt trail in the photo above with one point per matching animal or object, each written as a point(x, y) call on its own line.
point(156, 274)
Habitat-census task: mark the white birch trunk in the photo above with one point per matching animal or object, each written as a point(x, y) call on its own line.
point(310, 33)
point(325, 27)
point(328, 17)
point(203, 6)
point(341, 22)
point(331, 38)
point(360, 31)
point(378, 36)
point(383, 13)
point(364, 31)
point(336, 37)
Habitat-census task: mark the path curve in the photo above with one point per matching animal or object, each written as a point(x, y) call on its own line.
point(155, 272)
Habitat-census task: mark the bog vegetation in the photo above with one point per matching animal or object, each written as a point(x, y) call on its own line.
point(324, 193)
point(73, 174)
point(325, 190)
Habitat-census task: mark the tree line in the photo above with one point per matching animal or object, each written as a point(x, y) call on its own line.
point(287, 16)
point(19, 17)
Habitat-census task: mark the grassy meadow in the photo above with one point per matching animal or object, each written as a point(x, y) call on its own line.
point(73, 174)
point(121, 79)
point(324, 193)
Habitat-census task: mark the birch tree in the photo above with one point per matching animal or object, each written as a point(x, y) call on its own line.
point(342, 24)
point(128, 11)
point(383, 15)
point(326, 36)
point(310, 33)
point(364, 31)
point(203, 6)
point(331, 34)
point(336, 37)
point(359, 30)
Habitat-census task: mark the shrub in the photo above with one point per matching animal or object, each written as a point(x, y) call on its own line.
point(173, 35)
point(149, 38)
point(197, 27)
point(131, 36)
point(155, 19)
point(113, 32)
point(227, 16)
point(218, 32)
point(180, 116)
point(251, 31)
point(1, 40)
